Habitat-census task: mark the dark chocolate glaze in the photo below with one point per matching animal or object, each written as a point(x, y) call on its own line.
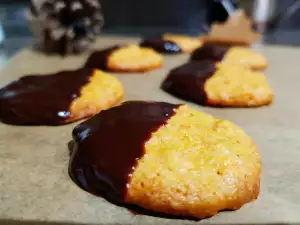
point(188, 80)
point(161, 45)
point(42, 99)
point(108, 146)
point(99, 59)
point(210, 52)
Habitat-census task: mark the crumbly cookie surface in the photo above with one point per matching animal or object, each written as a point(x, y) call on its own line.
point(195, 166)
point(247, 57)
point(236, 86)
point(133, 58)
point(102, 92)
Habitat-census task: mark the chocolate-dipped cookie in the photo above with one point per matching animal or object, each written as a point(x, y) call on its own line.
point(231, 55)
point(129, 58)
point(165, 158)
point(59, 98)
point(216, 84)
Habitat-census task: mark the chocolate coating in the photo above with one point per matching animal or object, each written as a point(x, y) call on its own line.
point(108, 146)
point(42, 100)
point(161, 45)
point(99, 59)
point(210, 52)
point(188, 81)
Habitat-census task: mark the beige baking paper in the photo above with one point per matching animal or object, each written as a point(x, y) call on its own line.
point(34, 181)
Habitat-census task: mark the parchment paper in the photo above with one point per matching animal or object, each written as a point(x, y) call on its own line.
point(34, 182)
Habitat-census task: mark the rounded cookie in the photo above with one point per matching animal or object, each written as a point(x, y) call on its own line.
point(235, 86)
point(231, 54)
point(129, 58)
point(59, 98)
point(166, 158)
point(209, 83)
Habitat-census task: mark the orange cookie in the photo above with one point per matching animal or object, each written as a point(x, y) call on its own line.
point(130, 58)
point(166, 158)
point(210, 83)
point(231, 55)
point(58, 98)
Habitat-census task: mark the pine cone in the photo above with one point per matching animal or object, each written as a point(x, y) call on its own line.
point(69, 26)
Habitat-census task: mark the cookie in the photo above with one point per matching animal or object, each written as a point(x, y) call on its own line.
point(58, 98)
point(232, 55)
point(237, 30)
point(171, 43)
point(130, 58)
point(217, 84)
point(165, 158)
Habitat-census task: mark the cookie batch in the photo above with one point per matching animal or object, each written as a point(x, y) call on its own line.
point(162, 157)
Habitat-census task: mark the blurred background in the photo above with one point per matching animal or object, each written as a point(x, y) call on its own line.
point(148, 17)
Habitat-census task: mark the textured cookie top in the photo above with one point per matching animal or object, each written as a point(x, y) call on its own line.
point(237, 86)
point(165, 158)
point(37, 99)
point(134, 58)
point(109, 145)
point(128, 58)
point(196, 165)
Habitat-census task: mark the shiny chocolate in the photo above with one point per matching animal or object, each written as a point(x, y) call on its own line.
point(109, 145)
point(210, 52)
point(188, 81)
point(161, 45)
point(99, 59)
point(42, 99)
